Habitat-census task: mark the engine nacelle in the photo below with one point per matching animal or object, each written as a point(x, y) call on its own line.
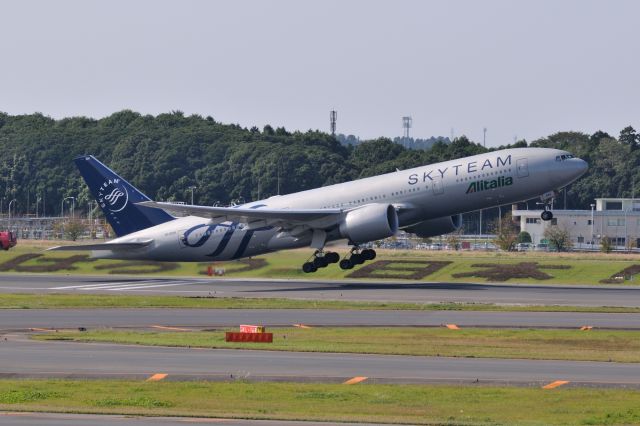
point(370, 223)
point(437, 226)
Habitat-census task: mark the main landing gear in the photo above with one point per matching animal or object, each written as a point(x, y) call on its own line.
point(357, 257)
point(320, 259)
point(547, 215)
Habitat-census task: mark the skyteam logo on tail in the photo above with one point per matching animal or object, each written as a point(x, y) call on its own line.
point(483, 185)
point(112, 195)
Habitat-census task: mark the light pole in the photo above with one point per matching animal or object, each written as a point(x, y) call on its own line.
point(10, 203)
point(62, 205)
point(625, 229)
point(592, 234)
point(191, 188)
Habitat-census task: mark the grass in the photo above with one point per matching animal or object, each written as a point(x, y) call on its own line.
point(90, 301)
point(415, 404)
point(594, 345)
point(585, 268)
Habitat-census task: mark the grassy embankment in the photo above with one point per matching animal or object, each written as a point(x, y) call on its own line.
point(415, 404)
point(594, 345)
point(583, 268)
point(92, 301)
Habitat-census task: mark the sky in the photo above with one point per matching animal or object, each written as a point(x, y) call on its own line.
point(522, 69)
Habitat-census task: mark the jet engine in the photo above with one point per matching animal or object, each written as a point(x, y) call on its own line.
point(437, 226)
point(370, 223)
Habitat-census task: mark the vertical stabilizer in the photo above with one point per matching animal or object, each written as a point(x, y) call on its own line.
point(117, 198)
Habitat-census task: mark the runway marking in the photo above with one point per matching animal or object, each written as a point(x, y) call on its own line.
point(163, 327)
point(69, 287)
point(355, 380)
point(586, 327)
point(157, 377)
point(127, 285)
point(301, 326)
point(555, 384)
point(42, 329)
point(452, 327)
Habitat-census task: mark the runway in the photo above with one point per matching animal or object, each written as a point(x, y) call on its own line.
point(21, 320)
point(26, 358)
point(53, 419)
point(417, 292)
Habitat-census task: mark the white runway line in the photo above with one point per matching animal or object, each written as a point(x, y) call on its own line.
point(86, 286)
point(131, 285)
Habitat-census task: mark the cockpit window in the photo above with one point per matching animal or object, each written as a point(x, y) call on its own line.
point(564, 157)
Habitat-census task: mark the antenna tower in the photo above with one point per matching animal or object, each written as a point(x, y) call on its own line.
point(333, 117)
point(407, 122)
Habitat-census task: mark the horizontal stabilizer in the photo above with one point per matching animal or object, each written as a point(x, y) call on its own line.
point(104, 246)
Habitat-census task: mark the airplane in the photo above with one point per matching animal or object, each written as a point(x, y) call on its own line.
point(427, 201)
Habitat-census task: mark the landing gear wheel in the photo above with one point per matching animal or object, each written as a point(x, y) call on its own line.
point(368, 254)
point(320, 262)
point(357, 259)
point(309, 267)
point(332, 257)
point(546, 215)
point(346, 264)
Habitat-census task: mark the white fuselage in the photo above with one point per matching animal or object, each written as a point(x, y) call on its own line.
point(426, 192)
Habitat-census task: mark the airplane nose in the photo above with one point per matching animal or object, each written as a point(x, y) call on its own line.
point(580, 166)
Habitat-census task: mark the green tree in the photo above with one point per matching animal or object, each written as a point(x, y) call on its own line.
point(559, 237)
point(524, 237)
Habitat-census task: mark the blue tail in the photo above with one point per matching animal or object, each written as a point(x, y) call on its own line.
point(117, 198)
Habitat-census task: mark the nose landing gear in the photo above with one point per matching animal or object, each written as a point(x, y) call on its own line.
point(546, 215)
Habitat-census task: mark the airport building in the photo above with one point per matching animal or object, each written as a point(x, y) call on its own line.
point(615, 218)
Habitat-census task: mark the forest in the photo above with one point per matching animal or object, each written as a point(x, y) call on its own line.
point(165, 155)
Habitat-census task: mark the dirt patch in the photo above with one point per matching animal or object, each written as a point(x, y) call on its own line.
point(504, 272)
point(45, 264)
point(619, 277)
point(411, 269)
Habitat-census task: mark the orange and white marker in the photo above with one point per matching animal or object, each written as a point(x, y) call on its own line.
point(555, 384)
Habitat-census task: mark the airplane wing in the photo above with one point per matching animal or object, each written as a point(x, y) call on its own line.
point(103, 246)
point(314, 218)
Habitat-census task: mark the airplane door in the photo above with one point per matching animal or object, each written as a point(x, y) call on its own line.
point(438, 189)
point(523, 167)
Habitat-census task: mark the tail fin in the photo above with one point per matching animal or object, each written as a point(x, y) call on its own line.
point(117, 198)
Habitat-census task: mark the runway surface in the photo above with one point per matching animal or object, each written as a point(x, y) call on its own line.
point(53, 419)
point(20, 319)
point(328, 290)
point(26, 358)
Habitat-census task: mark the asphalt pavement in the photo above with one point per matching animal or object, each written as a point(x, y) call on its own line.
point(22, 357)
point(23, 320)
point(418, 292)
point(55, 419)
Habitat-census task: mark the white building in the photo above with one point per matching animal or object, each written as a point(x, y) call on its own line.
point(615, 218)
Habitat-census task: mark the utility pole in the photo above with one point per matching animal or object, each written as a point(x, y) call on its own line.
point(484, 137)
point(191, 188)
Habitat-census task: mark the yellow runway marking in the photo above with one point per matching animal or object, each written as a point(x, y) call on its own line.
point(586, 327)
point(452, 327)
point(41, 329)
point(157, 377)
point(555, 384)
point(162, 327)
point(301, 326)
point(355, 380)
